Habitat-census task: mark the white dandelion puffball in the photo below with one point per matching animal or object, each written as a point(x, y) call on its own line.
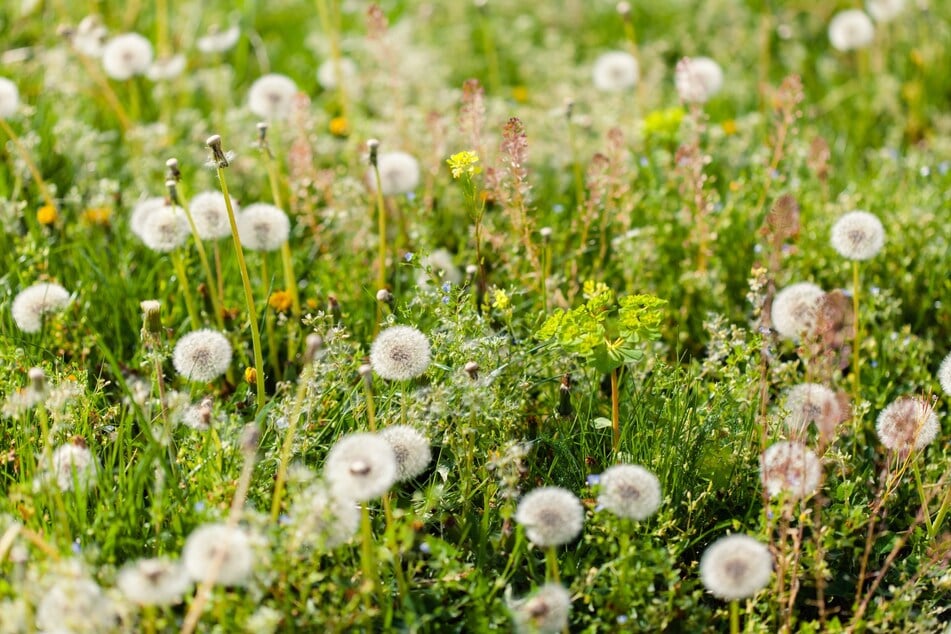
point(75, 604)
point(216, 41)
point(323, 520)
point(630, 491)
point(272, 96)
point(907, 423)
point(202, 355)
point(210, 215)
point(400, 353)
point(263, 227)
point(552, 516)
point(697, 79)
point(327, 72)
point(166, 68)
point(736, 567)
point(9, 98)
point(813, 403)
point(142, 210)
point(440, 261)
point(795, 310)
point(851, 29)
point(790, 468)
point(360, 467)
point(126, 55)
point(211, 543)
point(153, 582)
point(90, 36)
point(884, 10)
point(615, 71)
point(34, 302)
point(410, 448)
point(544, 612)
point(74, 464)
point(399, 173)
point(164, 229)
point(858, 235)
point(944, 375)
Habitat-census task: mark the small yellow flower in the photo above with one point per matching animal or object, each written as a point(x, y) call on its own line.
point(464, 163)
point(729, 127)
point(339, 126)
point(735, 186)
point(312, 303)
point(97, 216)
point(520, 94)
point(280, 301)
point(663, 122)
point(500, 299)
point(47, 215)
point(250, 375)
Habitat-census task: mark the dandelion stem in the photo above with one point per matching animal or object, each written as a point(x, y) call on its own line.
point(491, 54)
point(381, 223)
point(105, 89)
point(921, 494)
point(288, 443)
point(269, 319)
point(248, 295)
point(856, 334)
point(615, 411)
point(331, 26)
point(366, 556)
point(551, 565)
point(216, 301)
point(939, 518)
point(178, 263)
point(30, 165)
point(290, 281)
point(734, 617)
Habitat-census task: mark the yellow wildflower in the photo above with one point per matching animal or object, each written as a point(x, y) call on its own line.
point(250, 375)
point(729, 127)
point(464, 163)
point(500, 299)
point(47, 215)
point(520, 94)
point(663, 122)
point(339, 126)
point(280, 301)
point(97, 216)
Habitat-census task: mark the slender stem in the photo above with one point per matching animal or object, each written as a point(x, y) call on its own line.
point(105, 89)
point(734, 617)
point(371, 407)
point(30, 165)
point(939, 518)
point(615, 410)
point(178, 263)
point(551, 565)
point(290, 281)
point(248, 295)
point(856, 334)
point(331, 26)
point(205, 265)
point(288, 444)
point(269, 319)
point(491, 54)
point(367, 563)
point(921, 494)
point(381, 228)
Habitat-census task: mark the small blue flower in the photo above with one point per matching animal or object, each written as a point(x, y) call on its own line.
point(558, 208)
point(75, 547)
point(622, 619)
point(199, 506)
point(425, 548)
point(408, 256)
point(593, 479)
point(446, 287)
point(643, 161)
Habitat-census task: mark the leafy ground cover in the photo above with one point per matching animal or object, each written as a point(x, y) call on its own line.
point(496, 316)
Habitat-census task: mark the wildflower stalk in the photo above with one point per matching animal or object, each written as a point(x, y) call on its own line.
point(30, 165)
point(734, 616)
point(575, 163)
point(178, 262)
point(105, 89)
point(856, 333)
point(221, 162)
point(367, 563)
point(551, 565)
point(368, 391)
point(249, 447)
point(921, 494)
point(374, 146)
point(288, 443)
point(177, 197)
point(488, 47)
point(330, 23)
point(269, 319)
point(463, 167)
point(615, 411)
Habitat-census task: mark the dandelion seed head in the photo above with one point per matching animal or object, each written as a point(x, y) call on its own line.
point(164, 229)
point(790, 468)
point(215, 41)
point(552, 516)
point(360, 467)
point(884, 10)
point(90, 35)
point(126, 55)
point(142, 210)
point(73, 463)
point(263, 227)
point(202, 355)
point(907, 423)
point(615, 71)
point(400, 353)
point(697, 79)
point(35, 302)
point(813, 403)
point(410, 448)
point(153, 582)
point(210, 215)
point(736, 567)
point(75, 603)
point(271, 96)
point(944, 375)
point(322, 520)
point(210, 542)
point(327, 72)
point(630, 491)
point(166, 68)
point(9, 98)
point(795, 310)
point(851, 29)
point(546, 611)
point(858, 235)
point(399, 173)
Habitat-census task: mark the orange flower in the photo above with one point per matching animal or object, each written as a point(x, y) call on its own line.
point(339, 126)
point(47, 215)
point(97, 216)
point(280, 301)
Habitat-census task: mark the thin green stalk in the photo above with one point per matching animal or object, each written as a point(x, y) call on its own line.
point(30, 165)
point(381, 228)
point(290, 280)
point(246, 280)
point(921, 494)
point(269, 319)
point(371, 407)
point(615, 411)
point(551, 565)
point(288, 444)
point(734, 617)
point(367, 563)
point(216, 301)
point(331, 26)
point(939, 518)
point(178, 262)
point(856, 334)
